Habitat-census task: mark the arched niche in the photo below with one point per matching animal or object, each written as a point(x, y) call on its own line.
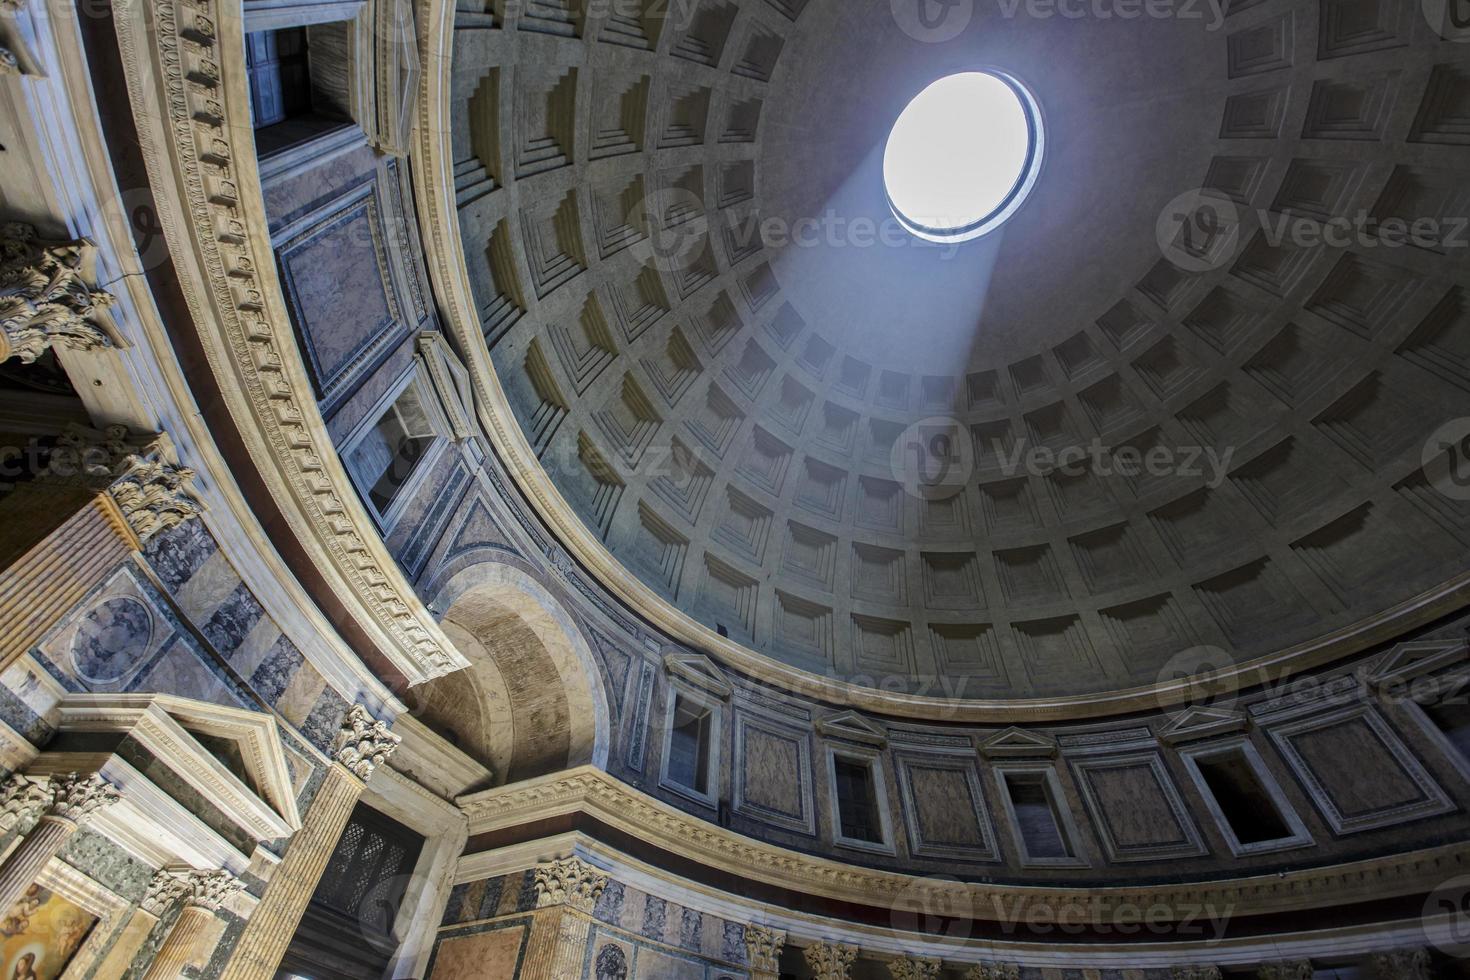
point(531, 702)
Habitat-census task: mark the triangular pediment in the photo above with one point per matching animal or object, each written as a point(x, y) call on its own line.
point(1198, 721)
point(1417, 658)
point(852, 726)
point(1018, 743)
point(232, 756)
point(698, 670)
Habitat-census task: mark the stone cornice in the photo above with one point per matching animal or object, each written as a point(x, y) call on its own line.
point(433, 183)
point(594, 793)
point(185, 69)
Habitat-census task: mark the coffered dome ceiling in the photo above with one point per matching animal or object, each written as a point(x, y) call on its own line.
point(723, 414)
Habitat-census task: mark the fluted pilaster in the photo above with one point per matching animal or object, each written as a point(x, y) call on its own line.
point(361, 746)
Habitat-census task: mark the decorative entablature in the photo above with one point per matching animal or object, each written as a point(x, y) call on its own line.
point(594, 793)
point(186, 75)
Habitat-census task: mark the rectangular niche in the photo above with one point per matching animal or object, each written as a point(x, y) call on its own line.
point(1243, 797)
point(1040, 821)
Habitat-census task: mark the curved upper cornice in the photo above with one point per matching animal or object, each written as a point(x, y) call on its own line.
point(186, 73)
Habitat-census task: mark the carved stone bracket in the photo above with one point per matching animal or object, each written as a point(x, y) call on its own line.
point(763, 948)
point(363, 743)
point(914, 968)
point(830, 961)
point(572, 882)
point(43, 298)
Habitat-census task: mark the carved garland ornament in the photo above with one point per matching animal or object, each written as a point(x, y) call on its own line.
point(43, 300)
point(190, 97)
point(363, 743)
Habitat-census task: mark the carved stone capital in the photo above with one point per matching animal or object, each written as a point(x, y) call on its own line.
point(993, 971)
point(1402, 964)
point(572, 882)
point(209, 890)
point(74, 797)
point(1195, 972)
point(914, 968)
point(830, 961)
point(22, 801)
point(43, 298)
point(164, 889)
point(1286, 970)
point(763, 948)
point(155, 496)
point(364, 743)
point(152, 492)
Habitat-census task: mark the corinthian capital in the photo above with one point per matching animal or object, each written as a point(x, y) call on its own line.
point(43, 298)
point(75, 797)
point(993, 971)
point(165, 888)
point(830, 961)
point(914, 968)
point(152, 492)
point(364, 743)
point(22, 801)
point(763, 948)
point(1402, 964)
point(209, 890)
point(155, 496)
point(1196, 972)
point(571, 882)
point(1286, 970)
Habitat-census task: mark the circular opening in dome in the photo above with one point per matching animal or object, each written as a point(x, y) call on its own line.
point(963, 156)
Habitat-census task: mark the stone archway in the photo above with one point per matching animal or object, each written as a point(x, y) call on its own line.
point(531, 702)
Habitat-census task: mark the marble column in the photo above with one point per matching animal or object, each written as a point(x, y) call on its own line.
point(763, 952)
point(915, 968)
point(993, 971)
point(63, 803)
point(830, 961)
point(361, 746)
point(164, 890)
point(203, 892)
point(566, 893)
